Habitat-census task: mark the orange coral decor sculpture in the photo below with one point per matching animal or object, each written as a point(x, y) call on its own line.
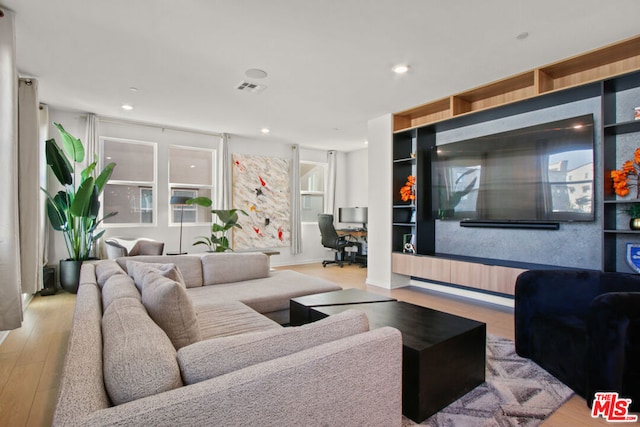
point(628, 176)
point(408, 191)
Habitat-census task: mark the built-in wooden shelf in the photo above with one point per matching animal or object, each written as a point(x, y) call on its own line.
point(609, 61)
point(422, 115)
point(502, 92)
point(473, 275)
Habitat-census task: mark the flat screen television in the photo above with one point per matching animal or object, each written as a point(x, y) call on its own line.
point(538, 173)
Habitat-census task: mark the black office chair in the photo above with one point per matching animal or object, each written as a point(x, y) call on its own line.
point(330, 239)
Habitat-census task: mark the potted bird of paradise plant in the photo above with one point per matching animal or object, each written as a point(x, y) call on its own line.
point(74, 210)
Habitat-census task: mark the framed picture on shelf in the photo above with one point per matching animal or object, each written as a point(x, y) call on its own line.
point(412, 218)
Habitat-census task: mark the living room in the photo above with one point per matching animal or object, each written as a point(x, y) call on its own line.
point(343, 133)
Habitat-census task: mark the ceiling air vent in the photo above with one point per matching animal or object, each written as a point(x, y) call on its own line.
point(245, 86)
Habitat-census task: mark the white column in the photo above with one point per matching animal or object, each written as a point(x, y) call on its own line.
point(380, 202)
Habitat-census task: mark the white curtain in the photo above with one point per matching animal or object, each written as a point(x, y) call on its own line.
point(29, 186)
point(223, 193)
point(44, 228)
point(10, 300)
point(296, 222)
point(92, 141)
point(330, 201)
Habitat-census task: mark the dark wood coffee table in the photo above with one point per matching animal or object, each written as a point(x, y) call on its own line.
point(443, 355)
point(300, 308)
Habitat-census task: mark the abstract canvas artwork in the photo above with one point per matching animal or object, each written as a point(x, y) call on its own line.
point(261, 188)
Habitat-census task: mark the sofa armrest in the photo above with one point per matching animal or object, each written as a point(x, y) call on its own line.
point(549, 293)
point(81, 386)
point(611, 316)
point(114, 249)
point(353, 381)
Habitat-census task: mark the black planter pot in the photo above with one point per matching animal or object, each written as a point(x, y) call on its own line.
point(70, 275)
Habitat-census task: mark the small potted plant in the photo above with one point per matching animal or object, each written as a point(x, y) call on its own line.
point(226, 220)
point(634, 214)
point(74, 210)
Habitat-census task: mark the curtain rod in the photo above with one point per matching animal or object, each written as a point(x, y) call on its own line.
point(117, 121)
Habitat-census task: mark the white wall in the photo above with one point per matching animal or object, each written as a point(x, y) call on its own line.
point(379, 273)
point(357, 179)
point(75, 123)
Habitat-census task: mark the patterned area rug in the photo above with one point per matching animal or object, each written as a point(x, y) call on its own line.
point(517, 392)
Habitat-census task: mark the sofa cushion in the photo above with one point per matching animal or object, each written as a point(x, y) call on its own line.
point(234, 267)
point(105, 269)
point(211, 358)
point(190, 266)
point(170, 307)
point(226, 318)
point(118, 286)
point(264, 295)
point(138, 357)
point(138, 270)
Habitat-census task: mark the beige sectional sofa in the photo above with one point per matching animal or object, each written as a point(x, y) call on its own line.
point(191, 340)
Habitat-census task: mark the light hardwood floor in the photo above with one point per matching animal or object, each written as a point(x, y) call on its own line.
point(31, 357)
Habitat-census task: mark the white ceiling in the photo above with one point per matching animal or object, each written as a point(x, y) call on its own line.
point(328, 61)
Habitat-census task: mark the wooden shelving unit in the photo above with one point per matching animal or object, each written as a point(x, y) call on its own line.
point(621, 136)
point(611, 73)
point(411, 156)
point(606, 62)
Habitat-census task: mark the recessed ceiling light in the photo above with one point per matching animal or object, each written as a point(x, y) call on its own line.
point(400, 69)
point(265, 130)
point(127, 107)
point(523, 35)
point(133, 89)
point(255, 73)
point(366, 142)
point(192, 166)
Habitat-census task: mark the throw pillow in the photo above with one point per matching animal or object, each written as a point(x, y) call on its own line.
point(105, 269)
point(138, 358)
point(171, 308)
point(118, 286)
point(138, 270)
point(211, 358)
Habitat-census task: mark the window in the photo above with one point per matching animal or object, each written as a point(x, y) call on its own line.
point(189, 213)
point(131, 189)
point(146, 205)
point(191, 174)
point(312, 190)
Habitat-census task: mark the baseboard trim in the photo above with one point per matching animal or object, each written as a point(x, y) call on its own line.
point(478, 296)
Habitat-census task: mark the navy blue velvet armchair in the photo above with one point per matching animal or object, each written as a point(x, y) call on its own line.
point(583, 327)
